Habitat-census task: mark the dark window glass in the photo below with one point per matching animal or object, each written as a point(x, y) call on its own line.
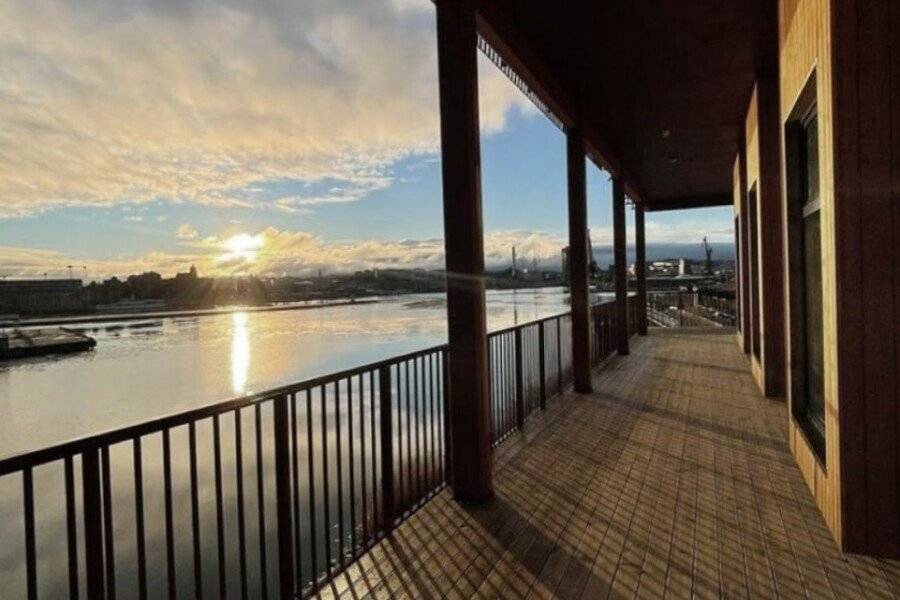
point(811, 166)
point(812, 253)
point(812, 276)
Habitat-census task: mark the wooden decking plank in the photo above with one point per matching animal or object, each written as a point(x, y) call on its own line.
point(672, 479)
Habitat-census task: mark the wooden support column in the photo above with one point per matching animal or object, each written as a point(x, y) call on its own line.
point(640, 268)
point(470, 422)
point(771, 250)
point(579, 263)
point(743, 277)
point(618, 189)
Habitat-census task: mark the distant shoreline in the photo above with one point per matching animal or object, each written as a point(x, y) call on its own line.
point(168, 314)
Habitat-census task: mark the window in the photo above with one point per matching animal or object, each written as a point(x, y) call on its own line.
point(814, 396)
point(805, 257)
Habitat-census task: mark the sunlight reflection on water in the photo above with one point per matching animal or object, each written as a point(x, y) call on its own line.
point(240, 353)
point(143, 370)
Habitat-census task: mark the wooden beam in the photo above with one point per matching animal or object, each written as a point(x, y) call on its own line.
point(470, 419)
point(618, 190)
point(682, 202)
point(640, 268)
point(578, 263)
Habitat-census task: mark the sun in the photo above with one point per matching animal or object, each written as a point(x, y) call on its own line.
point(242, 246)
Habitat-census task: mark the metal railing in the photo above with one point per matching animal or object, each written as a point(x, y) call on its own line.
point(690, 309)
point(270, 494)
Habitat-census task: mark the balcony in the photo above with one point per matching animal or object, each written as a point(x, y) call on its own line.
point(673, 478)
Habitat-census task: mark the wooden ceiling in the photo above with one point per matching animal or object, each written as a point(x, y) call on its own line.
point(659, 89)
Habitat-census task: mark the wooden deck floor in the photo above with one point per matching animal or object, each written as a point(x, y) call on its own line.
point(674, 478)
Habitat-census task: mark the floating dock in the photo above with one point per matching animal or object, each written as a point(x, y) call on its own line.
point(25, 343)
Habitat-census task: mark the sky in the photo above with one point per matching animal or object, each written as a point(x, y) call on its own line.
point(267, 137)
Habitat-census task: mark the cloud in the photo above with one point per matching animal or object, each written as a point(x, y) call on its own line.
point(133, 218)
point(185, 231)
point(106, 103)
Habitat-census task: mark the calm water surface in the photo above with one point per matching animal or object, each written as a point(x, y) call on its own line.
point(142, 370)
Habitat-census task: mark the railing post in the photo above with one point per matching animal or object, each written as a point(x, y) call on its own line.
point(520, 381)
point(93, 524)
point(543, 367)
point(387, 448)
point(559, 372)
point(448, 439)
point(283, 497)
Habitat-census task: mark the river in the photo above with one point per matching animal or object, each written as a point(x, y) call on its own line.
point(145, 369)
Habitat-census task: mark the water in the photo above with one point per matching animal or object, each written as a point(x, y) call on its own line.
point(148, 369)
point(162, 366)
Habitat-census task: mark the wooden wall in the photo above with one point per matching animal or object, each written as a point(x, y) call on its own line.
point(854, 48)
point(763, 159)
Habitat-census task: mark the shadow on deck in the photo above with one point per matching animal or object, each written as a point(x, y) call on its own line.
point(673, 478)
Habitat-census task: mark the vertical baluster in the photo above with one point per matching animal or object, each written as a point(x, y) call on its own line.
point(510, 384)
point(140, 532)
point(351, 467)
point(195, 511)
point(239, 471)
point(520, 380)
point(314, 541)
point(326, 497)
point(220, 517)
point(559, 367)
point(498, 376)
point(280, 438)
point(504, 355)
point(431, 420)
point(340, 471)
point(108, 533)
point(295, 502)
point(364, 518)
point(387, 448)
point(401, 473)
point(492, 387)
point(446, 441)
point(261, 503)
point(417, 399)
point(374, 454)
point(408, 435)
point(170, 529)
point(93, 523)
point(30, 555)
point(71, 528)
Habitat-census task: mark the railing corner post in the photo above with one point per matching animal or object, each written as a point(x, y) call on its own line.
point(283, 497)
point(520, 381)
point(559, 369)
point(387, 449)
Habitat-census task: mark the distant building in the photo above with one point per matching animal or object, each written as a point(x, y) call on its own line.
point(33, 296)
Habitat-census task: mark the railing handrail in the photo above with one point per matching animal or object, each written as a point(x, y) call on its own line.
point(62, 450)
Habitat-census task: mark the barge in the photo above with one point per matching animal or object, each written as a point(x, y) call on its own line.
point(26, 343)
